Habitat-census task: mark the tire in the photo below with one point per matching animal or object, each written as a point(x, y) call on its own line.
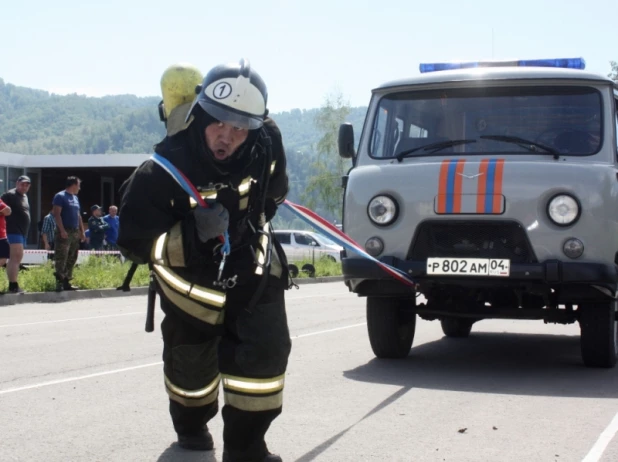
point(309, 269)
point(599, 334)
point(390, 333)
point(293, 269)
point(456, 327)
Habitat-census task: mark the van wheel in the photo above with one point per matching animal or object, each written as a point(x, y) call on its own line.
point(599, 335)
point(293, 269)
point(391, 330)
point(456, 327)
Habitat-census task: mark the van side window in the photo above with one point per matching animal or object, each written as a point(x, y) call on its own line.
point(283, 238)
point(379, 133)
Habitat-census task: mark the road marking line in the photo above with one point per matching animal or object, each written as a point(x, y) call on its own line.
point(72, 319)
point(604, 439)
point(329, 330)
point(72, 379)
point(142, 312)
point(116, 371)
point(320, 295)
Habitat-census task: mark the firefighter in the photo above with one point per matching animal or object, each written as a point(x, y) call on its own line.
point(225, 319)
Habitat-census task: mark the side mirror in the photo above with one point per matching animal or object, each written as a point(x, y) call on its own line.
point(346, 141)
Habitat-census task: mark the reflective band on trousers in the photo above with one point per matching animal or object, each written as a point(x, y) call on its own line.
point(193, 398)
point(253, 403)
point(257, 394)
point(253, 386)
point(201, 294)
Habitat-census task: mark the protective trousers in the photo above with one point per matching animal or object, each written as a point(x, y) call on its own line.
point(65, 253)
point(249, 354)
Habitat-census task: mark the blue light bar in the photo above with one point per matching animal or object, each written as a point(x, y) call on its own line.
point(567, 63)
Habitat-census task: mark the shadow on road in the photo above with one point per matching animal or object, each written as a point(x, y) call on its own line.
point(176, 454)
point(501, 363)
point(312, 454)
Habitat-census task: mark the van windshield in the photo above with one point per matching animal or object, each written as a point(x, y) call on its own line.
point(565, 120)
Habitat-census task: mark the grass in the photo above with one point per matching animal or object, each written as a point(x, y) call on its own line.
point(106, 272)
point(323, 267)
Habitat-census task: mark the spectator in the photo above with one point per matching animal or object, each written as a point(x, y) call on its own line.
point(17, 225)
point(97, 227)
point(5, 211)
point(69, 232)
point(111, 233)
point(48, 231)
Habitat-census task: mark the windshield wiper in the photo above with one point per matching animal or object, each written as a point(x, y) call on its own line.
point(524, 143)
point(433, 147)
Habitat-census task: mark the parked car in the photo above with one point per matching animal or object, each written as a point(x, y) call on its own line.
point(307, 245)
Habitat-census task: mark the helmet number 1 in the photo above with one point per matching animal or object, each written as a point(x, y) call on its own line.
point(222, 90)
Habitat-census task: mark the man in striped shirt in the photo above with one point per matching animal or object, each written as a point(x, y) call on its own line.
point(48, 233)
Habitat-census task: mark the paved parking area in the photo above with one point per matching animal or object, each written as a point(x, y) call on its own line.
point(82, 381)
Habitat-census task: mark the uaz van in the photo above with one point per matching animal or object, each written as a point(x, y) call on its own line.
point(494, 187)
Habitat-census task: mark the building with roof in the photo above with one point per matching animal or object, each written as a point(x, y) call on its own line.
point(101, 175)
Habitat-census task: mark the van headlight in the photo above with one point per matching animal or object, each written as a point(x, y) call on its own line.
point(563, 210)
point(382, 210)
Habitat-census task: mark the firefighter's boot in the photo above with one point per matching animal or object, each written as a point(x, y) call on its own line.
point(268, 458)
point(201, 441)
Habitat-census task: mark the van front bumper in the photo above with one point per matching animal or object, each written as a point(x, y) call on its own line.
point(366, 278)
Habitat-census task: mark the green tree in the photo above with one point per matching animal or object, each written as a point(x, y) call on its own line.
point(323, 191)
point(614, 73)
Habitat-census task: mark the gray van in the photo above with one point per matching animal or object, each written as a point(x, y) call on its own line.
point(495, 188)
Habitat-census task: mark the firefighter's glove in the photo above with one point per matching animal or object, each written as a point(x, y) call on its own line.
point(211, 222)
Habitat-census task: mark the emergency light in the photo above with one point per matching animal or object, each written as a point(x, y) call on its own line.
point(567, 63)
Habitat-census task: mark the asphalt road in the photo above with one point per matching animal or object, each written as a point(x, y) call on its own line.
point(82, 381)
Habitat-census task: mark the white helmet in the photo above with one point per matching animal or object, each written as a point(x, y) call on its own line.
point(232, 93)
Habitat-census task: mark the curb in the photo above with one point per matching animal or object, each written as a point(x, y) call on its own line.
point(67, 296)
point(321, 280)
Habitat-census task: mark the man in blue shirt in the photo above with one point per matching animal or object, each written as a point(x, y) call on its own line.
point(111, 233)
point(69, 232)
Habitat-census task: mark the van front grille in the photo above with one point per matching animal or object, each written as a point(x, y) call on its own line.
point(472, 239)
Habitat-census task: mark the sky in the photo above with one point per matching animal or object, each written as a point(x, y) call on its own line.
point(304, 50)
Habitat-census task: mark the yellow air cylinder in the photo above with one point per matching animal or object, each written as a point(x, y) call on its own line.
point(178, 84)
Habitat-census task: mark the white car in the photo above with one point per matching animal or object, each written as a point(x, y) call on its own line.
point(305, 245)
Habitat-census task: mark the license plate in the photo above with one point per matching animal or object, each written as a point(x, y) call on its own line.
point(469, 266)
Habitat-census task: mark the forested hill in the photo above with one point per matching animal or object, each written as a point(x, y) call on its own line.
point(37, 122)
